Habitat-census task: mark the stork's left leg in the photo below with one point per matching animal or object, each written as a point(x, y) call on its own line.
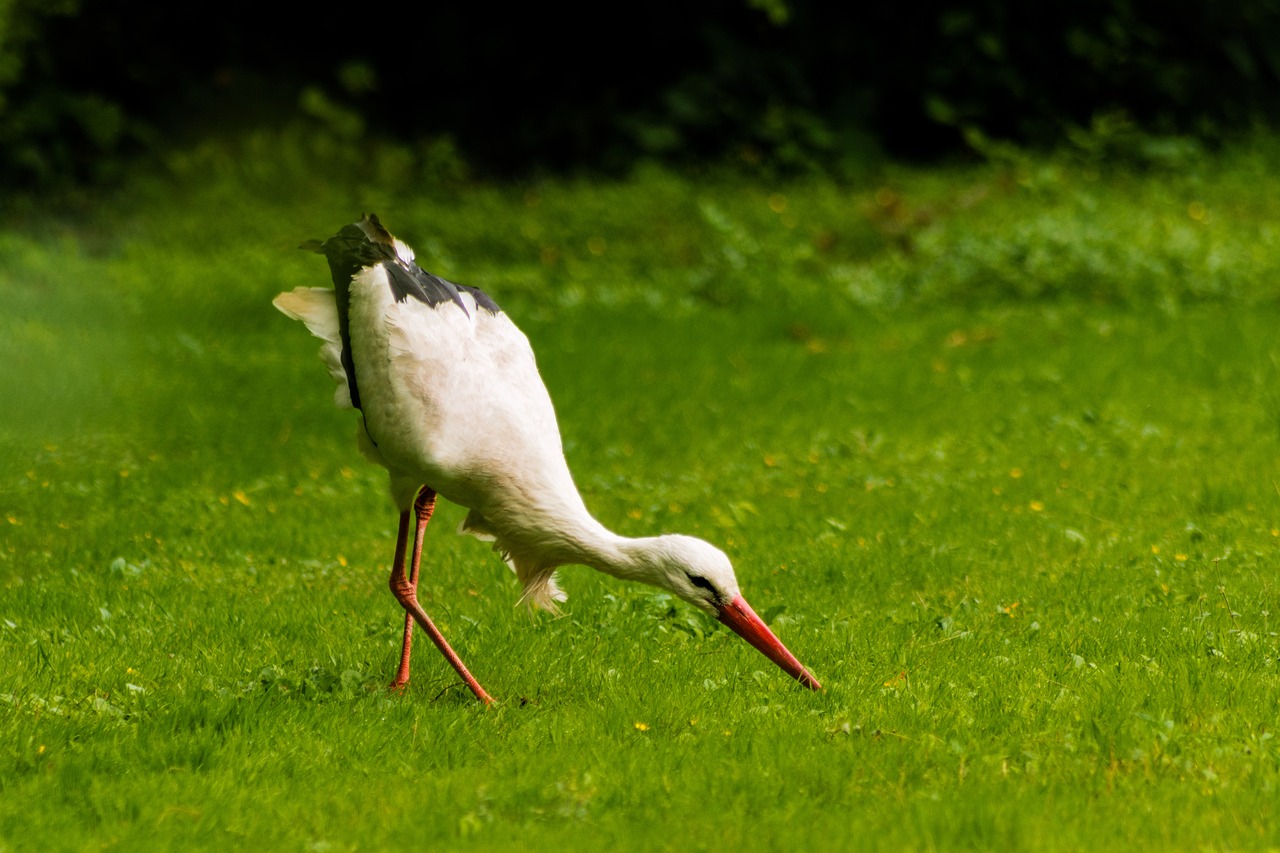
point(406, 592)
point(423, 506)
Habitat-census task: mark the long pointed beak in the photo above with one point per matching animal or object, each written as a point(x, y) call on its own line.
point(739, 616)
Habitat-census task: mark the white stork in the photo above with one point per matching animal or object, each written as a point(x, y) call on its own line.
point(451, 403)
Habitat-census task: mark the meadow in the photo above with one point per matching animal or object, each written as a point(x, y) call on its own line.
point(992, 446)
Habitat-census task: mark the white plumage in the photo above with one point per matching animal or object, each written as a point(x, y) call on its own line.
point(451, 400)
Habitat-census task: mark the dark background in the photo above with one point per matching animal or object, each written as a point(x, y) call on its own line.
point(786, 85)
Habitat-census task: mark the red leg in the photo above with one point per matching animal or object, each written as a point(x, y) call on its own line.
point(397, 577)
point(423, 506)
point(405, 591)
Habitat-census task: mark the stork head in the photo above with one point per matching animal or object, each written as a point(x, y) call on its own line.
point(695, 570)
point(702, 575)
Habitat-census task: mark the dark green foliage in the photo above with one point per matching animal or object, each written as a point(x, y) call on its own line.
point(784, 86)
point(50, 133)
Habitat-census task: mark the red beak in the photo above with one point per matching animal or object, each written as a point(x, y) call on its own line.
point(739, 616)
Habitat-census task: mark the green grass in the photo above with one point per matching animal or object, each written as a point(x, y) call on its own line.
point(993, 449)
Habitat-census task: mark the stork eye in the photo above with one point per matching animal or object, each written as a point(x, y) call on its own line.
point(701, 583)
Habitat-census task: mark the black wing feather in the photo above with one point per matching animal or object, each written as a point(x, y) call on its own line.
point(412, 280)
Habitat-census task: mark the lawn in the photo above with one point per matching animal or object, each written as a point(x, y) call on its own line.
point(993, 449)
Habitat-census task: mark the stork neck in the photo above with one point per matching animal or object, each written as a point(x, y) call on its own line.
point(619, 556)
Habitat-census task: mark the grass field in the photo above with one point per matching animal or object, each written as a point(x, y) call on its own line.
point(993, 450)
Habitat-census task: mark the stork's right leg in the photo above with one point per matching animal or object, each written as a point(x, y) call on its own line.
point(405, 590)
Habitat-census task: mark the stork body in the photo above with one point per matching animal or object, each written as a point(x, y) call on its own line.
point(451, 402)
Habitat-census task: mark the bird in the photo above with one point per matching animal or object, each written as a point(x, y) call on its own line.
point(451, 404)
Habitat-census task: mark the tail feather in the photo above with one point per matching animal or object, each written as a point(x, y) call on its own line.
point(317, 309)
point(314, 306)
